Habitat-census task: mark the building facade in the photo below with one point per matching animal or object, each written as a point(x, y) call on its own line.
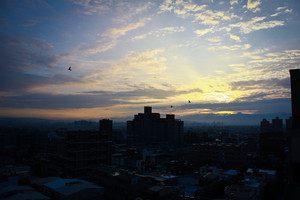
point(149, 127)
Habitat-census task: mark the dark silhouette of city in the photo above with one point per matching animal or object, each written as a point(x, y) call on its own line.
point(151, 157)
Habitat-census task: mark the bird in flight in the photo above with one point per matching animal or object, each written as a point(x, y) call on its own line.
point(189, 101)
point(70, 68)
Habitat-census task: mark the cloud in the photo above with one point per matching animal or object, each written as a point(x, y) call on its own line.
point(237, 65)
point(256, 53)
point(200, 13)
point(94, 6)
point(210, 17)
point(203, 31)
point(261, 84)
point(235, 37)
point(257, 23)
point(115, 33)
point(215, 39)
point(18, 56)
point(231, 47)
point(135, 68)
point(90, 99)
point(101, 47)
point(253, 5)
point(166, 6)
point(249, 104)
point(57, 101)
point(247, 46)
point(17, 83)
point(152, 93)
point(125, 11)
point(233, 2)
point(161, 32)
point(282, 12)
point(112, 35)
point(281, 8)
point(286, 57)
point(26, 54)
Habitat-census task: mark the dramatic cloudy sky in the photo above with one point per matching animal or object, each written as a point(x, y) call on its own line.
point(225, 56)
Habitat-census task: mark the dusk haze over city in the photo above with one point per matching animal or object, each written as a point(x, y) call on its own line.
point(185, 57)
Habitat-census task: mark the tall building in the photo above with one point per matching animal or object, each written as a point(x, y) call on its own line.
point(275, 126)
point(293, 135)
point(148, 127)
point(265, 126)
point(295, 93)
point(271, 138)
point(84, 150)
point(73, 153)
point(106, 128)
point(289, 124)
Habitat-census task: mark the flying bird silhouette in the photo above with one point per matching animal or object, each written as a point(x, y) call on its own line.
point(70, 68)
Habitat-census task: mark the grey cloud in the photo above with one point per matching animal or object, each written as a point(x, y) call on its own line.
point(59, 101)
point(85, 100)
point(151, 93)
point(263, 106)
point(18, 56)
point(23, 54)
point(19, 82)
point(266, 83)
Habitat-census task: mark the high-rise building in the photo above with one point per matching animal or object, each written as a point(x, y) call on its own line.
point(148, 127)
point(84, 150)
point(106, 128)
point(106, 125)
point(295, 93)
point(293, 134)
point(275, 126)
point(289, 124)
point(73, 153)
point(271, 138)
point(265, 126)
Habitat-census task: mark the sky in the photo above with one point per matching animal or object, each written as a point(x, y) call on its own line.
point(228, 57)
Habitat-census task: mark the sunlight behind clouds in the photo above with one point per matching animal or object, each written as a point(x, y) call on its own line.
point(125, 54)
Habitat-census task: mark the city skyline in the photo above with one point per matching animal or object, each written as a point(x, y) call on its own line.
point(226, 57)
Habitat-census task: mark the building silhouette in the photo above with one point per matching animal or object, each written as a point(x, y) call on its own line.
point(271, 138)
point(265, 126)
point(73, 153)
point(275, 126)
point(288, 124)
point(106, 128)
point(293, 134)
point(149, 127)
point(84, 150)
point(295, 94)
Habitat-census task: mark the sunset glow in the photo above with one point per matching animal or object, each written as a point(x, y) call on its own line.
point(220, 55)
